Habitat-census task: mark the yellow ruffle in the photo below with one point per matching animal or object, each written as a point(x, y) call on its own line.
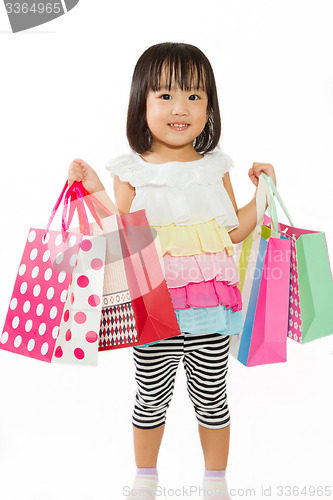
point(193, 239)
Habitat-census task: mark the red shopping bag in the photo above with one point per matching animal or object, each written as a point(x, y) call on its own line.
point(154, 312)
point(144, 312)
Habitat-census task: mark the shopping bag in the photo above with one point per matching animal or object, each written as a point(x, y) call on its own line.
point(117, 322)
point(136, 307)
point(54, 310)
point(79, 328)
point(154, 312)
point(311, 285)
point(264, 268)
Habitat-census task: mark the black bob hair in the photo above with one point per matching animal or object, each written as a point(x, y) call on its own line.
point(189, 68)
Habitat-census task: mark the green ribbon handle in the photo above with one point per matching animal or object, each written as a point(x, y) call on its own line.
point(271, 204)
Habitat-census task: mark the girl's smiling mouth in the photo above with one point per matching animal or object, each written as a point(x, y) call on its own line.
point(178, 126)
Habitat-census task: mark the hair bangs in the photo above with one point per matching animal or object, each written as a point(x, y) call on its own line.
point(174, 69)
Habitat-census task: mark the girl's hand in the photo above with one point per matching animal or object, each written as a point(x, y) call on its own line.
point(79, 170)
point(257, 168)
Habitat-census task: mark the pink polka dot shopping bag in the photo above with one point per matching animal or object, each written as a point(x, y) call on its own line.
point(54, 312)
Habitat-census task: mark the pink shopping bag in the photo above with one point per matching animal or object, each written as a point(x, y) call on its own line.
point(264, 269)
point(54, 310)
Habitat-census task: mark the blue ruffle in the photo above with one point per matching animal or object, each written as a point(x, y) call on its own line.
point(220, 319)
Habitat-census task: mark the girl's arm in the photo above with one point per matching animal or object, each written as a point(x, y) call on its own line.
point(247, 215)
point(124, 194)
point(79, 170)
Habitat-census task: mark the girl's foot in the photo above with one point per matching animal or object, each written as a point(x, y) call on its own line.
point(144, 485)
point(214, 485)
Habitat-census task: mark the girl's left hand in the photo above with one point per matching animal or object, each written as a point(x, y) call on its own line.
point(257, 168)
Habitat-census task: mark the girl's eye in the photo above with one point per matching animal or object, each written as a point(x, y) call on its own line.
point(166, 97)
point(193, 97)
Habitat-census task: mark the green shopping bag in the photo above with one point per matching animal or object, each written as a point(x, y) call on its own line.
point(311, 285)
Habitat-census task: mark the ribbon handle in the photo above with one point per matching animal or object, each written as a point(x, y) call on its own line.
point(74, 198)
point(265, 192)
point(55, 208)
point(80, 195)
point(275, 192)
point(89, 199)
point(262, 195)
point(83, 219)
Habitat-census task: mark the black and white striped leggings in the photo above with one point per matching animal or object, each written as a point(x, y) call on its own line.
point(205, 360)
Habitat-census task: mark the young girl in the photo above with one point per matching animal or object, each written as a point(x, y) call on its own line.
point(176, 173)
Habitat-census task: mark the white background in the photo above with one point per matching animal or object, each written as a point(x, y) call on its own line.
point(65, 432)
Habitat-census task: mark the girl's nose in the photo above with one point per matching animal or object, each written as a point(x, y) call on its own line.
point(179, 107)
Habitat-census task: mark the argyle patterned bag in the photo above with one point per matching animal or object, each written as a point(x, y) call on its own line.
point(118, 326)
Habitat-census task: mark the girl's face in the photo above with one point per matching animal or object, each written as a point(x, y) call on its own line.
point(176, 117)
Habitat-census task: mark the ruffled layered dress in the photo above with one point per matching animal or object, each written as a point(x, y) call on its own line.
point(189, 208)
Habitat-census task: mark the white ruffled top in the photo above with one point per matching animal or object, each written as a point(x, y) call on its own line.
point(182, 193)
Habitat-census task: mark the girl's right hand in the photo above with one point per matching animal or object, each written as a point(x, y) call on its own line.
point(79, 170)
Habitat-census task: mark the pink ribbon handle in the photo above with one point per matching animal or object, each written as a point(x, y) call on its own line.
point(75, 197)
point(55, 208)
point(75, 204)
point(84, 223)
point(81, 194)
point(72, 208)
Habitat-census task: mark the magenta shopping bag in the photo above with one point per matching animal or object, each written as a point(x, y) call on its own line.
point(270, 321)
point(264, 269)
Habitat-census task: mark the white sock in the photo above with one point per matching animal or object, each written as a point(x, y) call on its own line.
point(214, 485)
point(144, 485)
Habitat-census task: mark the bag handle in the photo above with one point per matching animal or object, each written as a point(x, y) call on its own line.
point(262, 195)
point(76, 193)
point(275, 192)
point(265, 192)
point(55, 208)
point(83, 219)
point(80, 195)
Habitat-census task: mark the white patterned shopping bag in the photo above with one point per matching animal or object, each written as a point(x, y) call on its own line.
point(77, 341)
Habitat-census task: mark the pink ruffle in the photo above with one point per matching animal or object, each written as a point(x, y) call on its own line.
point(179, 271)
point(206, 294)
